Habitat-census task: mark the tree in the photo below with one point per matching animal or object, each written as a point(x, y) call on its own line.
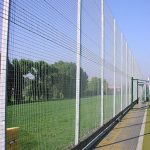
point(10, 80)
point(34, 81)
point(18, 81)
point(94, 86)
point(66, 79)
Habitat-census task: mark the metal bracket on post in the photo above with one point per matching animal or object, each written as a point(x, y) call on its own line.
point(77, 121)
point(102, 60)
point(3, 72)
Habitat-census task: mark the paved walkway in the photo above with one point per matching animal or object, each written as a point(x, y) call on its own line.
point(125, 135)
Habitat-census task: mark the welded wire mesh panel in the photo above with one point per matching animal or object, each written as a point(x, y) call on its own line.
point(144, 93)
point(134, 90)
point(138, 75)
point(141, 93)
point(1, 13)
point(126, 70)
point(118, 70)
point(124, 74)
point(134, 82)
point(147, 91)
point(128, 77)
point(41, 92)
point(1, 27)
point(90, 67)
point(108, 63)
point(42, 73)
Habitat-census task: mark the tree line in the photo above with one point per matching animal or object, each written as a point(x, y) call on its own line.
point(39, 81)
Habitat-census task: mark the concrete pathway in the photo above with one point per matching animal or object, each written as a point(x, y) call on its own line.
point(125, 135)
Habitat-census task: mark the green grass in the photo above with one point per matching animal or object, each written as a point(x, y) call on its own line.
point(51, 124)
point(146, 142)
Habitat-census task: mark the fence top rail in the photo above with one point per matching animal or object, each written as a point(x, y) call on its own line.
point(140, 80)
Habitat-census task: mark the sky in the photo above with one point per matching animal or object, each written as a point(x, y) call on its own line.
point(46, 30)
point(133, 17)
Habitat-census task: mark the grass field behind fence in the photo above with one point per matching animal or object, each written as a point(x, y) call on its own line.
point(51, 124)
point(146, 142)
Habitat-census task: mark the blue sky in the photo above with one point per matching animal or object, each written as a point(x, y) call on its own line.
point(46, 30)
point(133, 17)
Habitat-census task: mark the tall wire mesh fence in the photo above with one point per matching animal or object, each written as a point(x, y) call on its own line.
point(41, 91)
point(118, 79)
point(90, 63)
point(108, 64)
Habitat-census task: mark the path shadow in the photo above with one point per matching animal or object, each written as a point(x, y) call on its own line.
point(142, 107)
point(137, 110)
point(134, 117)
point(132, 125)
point(121, 141)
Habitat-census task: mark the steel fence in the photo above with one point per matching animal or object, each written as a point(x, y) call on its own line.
point(65, 70)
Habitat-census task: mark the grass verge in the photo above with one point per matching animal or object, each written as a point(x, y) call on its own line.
point(51, 124)
point(146, 142)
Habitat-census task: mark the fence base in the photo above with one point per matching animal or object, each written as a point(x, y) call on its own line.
point(92, 140)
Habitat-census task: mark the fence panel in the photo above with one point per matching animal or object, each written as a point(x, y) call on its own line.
point(42, 73)
point(45, 71)
point(108, 64)
point(134, 82)
point(118, 70)
point(90, 63)
point(129, 76)
point(124, 73)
